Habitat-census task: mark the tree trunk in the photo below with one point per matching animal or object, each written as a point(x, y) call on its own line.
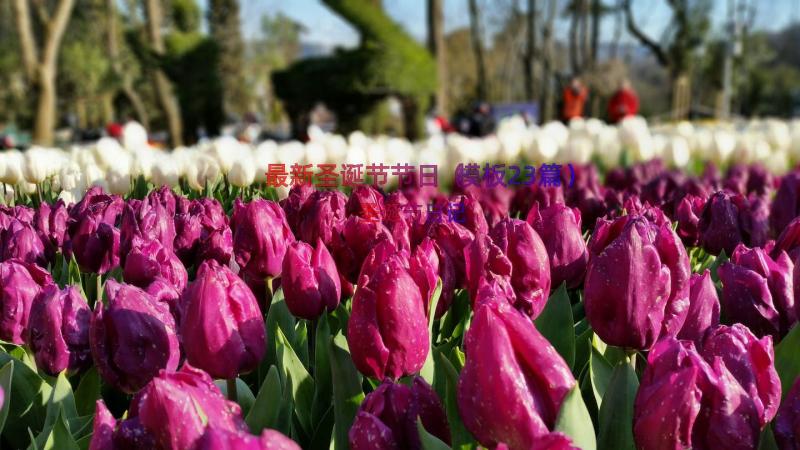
point(164, 92)
point(437, 46)
point(681, 96)
point(530, 50)
point(119, 70)
point(548, 93)
point(596, 17)
point(574, 58)
point(41, 66)
point(477, 48)
point(225, 29)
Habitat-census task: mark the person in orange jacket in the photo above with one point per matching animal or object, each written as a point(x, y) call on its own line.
point(575, 96)
point(624, 103)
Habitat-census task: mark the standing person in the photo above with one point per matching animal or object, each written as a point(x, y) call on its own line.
point(482, 123)
point(624, 103)
point(575, 96)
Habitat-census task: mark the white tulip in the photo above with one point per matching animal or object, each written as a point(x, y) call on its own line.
point(263, 156)
point(118, 182)
point(243, 172)
point(676, 151)
point(71, 177)
point(35, 167)
point(8, 194)
point(13, 167)
point(225, 149)
point(134, 136)
point(608, 146)
point(204, 169)
point(722, 147)
point(165, 172)
point(315, 153)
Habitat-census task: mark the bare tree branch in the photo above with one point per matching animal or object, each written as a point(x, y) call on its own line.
point(41, 11)
point(634, 29)
point(55, 31)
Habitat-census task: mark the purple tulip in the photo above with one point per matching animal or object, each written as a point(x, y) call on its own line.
point(322, 215)
point(148, 221)
point(685, 402)
point(484, 260)
point(366, 202)
point(93, 238)
point(166, 198)
point(530, 276)
point(132, 337)
point(751, 361)
point(560, 230)
point(789, 241)
point(379, 256)
point(721, 222)
point(703, 308)
point(21, 241)
point(453, 239)
point(106, 208)
point(387, 418)
point(688, 217)
point(424, 269)
point(351, 246)
point(260, 237)
point(149, 260)
point(221, 320)
point(388, 328)
point(758, 291)
point(202, 232)
point(786, 204)
point(59, 330)
point(399, 220)
point(222, 439)
point(20, 283)
point(787, 422)
point(495, 201)
point(51, 224)
point(110, 434)
point(637, 283)
point(164, 291)
point(513, 383)
point(310, 280)
point(176, 407)
point(473, 218)
point(293, 204)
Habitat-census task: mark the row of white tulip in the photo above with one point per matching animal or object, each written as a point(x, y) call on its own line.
point(113, 164)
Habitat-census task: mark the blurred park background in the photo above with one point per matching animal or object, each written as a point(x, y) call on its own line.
point(70, 70)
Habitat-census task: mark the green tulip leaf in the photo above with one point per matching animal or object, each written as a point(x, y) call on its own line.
point(787, 359)
point(6, 376)
point(244, 395)
point(429, 441)
point(302, 384)
point(616, 412)
point(556, 325)
point(427, 371)
point(347, 393)
point(266, 409)
point(28, 409)
point(574, 421)
point(462, 439)
point(88, 392)
point(323, 393)
point(600, 371)
point(767, 440)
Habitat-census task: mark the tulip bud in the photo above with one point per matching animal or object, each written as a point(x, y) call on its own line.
point(176, 407)
point(322, 214)
point(637, 282)
point(453, 239)
point(484, 260)
point(148, 221)
point(703, 308)
point(688, 217)
point(20, 283)
point(787, 422)
point(685, 402)
point(202, 232)
point(786, 204)
point(260, 237)
point(132, 337)
point(366, 202)
point(149, 260)
point(310, 280)
point(59, 330)
point(513, 383)
point(21, 241)
point(424, 269)
point(473, 219)
point(358, 236)
point(789, 241)
point(560, 230)
point(758, 291)
point(293, 204)
point(387, 418)
point(388, 329)
point(221, 439)
point(221, 319)
point(51, 224)
point(109, 434)
point(751, 361)
point(720, 225)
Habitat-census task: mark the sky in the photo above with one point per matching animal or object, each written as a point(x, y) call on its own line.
point(326, 28)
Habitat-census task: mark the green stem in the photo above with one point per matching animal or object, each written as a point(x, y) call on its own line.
point(232, 394)
point(312, 344)
point(99, 287)
point(268, 282)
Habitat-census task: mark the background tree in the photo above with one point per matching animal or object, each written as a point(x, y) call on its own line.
point(224, 27)
point(437, 47)
point(40, 59)
point(166, 97)
point(476, 31)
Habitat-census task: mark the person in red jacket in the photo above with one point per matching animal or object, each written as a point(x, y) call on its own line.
point(574, 100)
point(624, 103)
